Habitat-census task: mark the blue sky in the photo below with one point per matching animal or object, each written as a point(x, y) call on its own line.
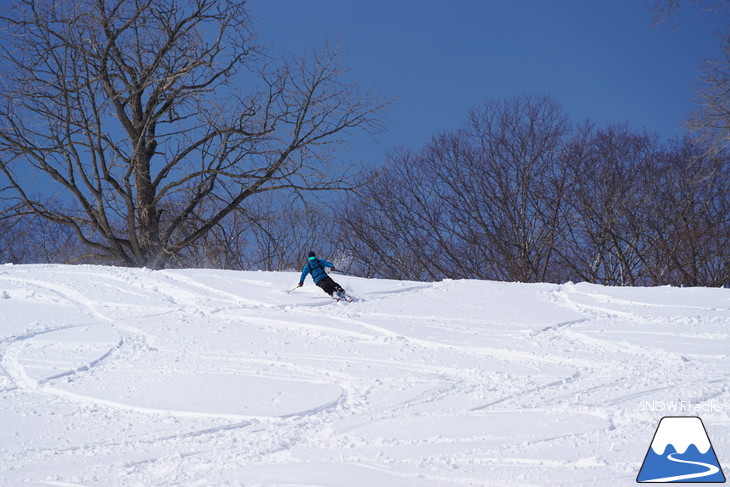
point(601, 59)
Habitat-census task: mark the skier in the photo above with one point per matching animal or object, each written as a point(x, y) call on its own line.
point(316, 267)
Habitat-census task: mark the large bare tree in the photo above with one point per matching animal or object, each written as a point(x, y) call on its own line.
point(143, 124)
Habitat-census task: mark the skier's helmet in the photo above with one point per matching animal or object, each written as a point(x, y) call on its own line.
point(311, 255)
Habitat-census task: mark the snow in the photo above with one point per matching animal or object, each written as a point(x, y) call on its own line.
point(132, 377)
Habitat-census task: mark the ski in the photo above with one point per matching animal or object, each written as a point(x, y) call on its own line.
point(343, 296)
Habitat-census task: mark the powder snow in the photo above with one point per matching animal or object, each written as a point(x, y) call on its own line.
point(132, 377)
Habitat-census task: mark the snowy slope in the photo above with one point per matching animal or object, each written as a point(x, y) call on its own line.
point(114, 376)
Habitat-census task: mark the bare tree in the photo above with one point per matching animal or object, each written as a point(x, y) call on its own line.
point(485, 202)
point(607, 228)
point(153, 120)
point(665, 9)
point(389, 226)
point(712, 120)
point(518, 194)
point(518, 184)
point(285, 230)
point(688, 213)
point(30, 239)
point(268, 233)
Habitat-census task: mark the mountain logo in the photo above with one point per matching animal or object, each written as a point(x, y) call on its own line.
point(681, 452)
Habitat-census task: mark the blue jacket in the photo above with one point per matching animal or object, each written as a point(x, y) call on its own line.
point(316, 267)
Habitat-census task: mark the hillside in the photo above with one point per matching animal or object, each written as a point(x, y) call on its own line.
point(112, 376)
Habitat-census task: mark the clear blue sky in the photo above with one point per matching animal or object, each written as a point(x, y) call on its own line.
point(601, 59)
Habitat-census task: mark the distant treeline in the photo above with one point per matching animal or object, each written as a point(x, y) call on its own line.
point(518, 193)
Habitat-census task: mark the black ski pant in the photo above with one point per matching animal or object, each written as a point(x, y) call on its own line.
point(329, 286)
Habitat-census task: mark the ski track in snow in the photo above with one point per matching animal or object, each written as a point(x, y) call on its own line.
point(131, 377)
